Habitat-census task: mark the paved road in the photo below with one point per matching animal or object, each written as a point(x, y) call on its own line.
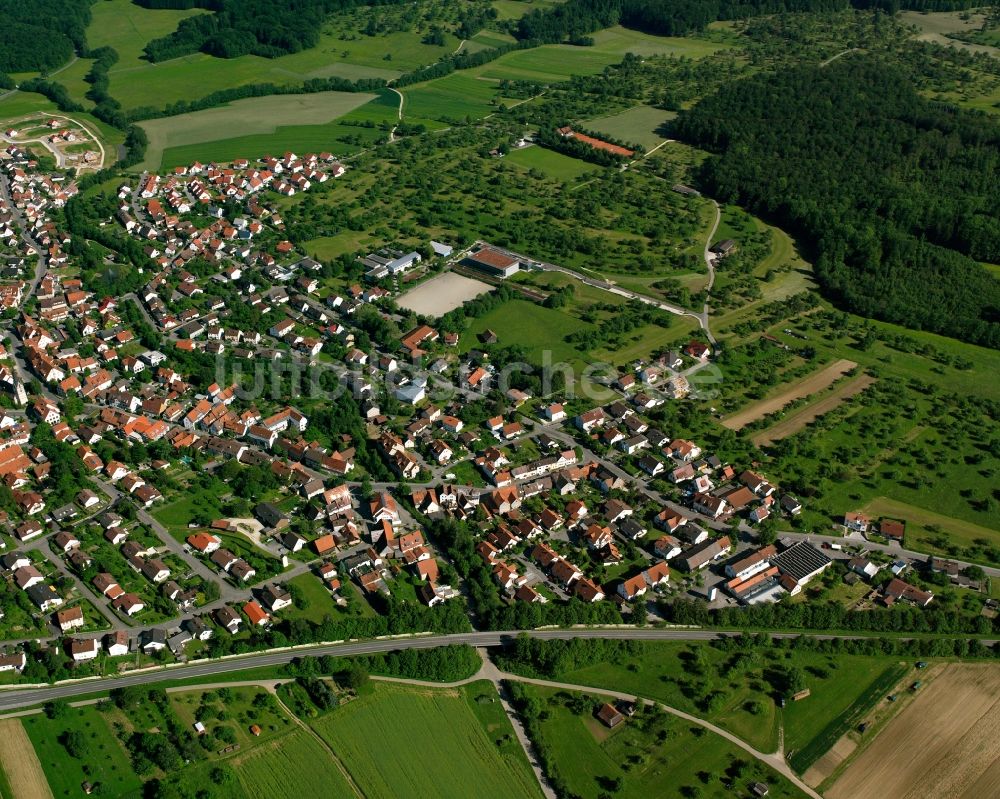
point(15, 698)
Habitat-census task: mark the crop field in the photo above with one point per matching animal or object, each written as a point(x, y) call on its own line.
point(639, 125)
point(257, 115)
point(555, 165)
point(20, 763)
point(429, 743)
point(667, 763)
point(104, 761)
point(800, 419)
point(804, 388)
point(453, 97)
point(945, 743)
point(290, 767)
point(442, 294)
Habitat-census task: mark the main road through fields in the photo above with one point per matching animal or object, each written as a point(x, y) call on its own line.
point(14, 699)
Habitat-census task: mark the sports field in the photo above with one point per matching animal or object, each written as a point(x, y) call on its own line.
point(945, 744)
point(442, 294)
point(253, 118)
point(401, 741)
point(640, 125)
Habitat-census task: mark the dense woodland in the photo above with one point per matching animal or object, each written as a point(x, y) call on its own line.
point(41, 34)
point(573, 20)
point(266, 28)
point(898, 196)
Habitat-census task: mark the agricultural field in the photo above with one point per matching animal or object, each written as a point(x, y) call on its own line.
point(451, 98)
point(651, 754)
point(457, 749)
point(291, 767)
point(801, 418)
point(98, 757)
point(816, 382)
point(943, 743)
point(642, 125)
point(204, 135)
point(21, 766)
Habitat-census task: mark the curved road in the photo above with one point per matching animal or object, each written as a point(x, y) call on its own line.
point(15, 698)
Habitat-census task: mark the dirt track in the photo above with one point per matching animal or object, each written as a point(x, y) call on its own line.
point(20, 763)
point(798, 420)
point(944, 745)
point(810, 385)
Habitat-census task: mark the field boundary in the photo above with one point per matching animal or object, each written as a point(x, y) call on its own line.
point(21, 764)
point(809, 385)
point(810, 413)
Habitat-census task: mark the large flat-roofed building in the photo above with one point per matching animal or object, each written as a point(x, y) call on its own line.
point(493, 262)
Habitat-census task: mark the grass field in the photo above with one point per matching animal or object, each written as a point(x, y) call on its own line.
point(398, 741)
point(291, 767)
point(529, 325)
point(136, 82)
point(805, 416)
point(205, 135)
point(21, 764)
point(555, 165)
point(814, 724)
point(105, 761)
point(648, 755)
point(922, 525)
point(453, 97)
point(640, 125)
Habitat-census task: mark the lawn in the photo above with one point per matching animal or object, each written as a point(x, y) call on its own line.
point(651, 754)
point(317, 602)
point(555, 165)
point(429, 743)
point(291, 767)
point(305, 118)
point(640, 125)
point(104, 760)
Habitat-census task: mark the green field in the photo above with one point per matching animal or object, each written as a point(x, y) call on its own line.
point(398, 741)
point(527, 324)
point(104, 760)
point(639, 125)
point(453, 97)
point(205, 135)
point(292, 767)
point(136, 82)
point(652, 754)
point(555, 165)
point(690, 678)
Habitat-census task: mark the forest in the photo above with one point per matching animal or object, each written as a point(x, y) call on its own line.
point(897, 196)
point(573, 20)
point(41, 35)
point(267, 28)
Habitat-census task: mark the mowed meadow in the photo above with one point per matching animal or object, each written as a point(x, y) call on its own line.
point(402, 741)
